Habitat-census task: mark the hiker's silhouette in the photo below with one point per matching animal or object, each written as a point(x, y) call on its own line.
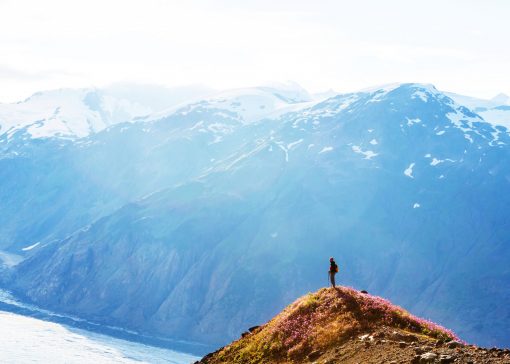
point(333, 269)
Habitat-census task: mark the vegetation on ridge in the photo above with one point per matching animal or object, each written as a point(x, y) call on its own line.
point(321, 320)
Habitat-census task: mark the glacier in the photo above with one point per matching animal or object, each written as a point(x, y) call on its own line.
point(29, 340)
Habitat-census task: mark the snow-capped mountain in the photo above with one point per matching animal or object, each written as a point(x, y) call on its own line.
point(208, 219)
point(66, 113)
point(77, 113)
point(251, 104)
point(495, 110)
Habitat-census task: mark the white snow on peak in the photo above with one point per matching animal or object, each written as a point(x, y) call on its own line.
point(422, 91)
point(474, 102)
point(66, 113)
point(385, 88)
point(501, 99)
point(75, 113)
point(409, 170)
point(290, 90)
point(495, 111)
point(253, 103)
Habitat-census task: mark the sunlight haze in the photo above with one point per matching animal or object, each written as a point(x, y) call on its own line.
point(458, 46)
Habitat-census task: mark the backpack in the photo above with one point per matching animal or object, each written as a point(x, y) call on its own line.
point(334, 268)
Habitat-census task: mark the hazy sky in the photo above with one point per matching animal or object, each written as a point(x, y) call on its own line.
point(458, 45)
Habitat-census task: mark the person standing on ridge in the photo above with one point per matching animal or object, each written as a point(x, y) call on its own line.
point(333, 269)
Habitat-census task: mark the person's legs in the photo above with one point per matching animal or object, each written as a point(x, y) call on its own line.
point(332, 278)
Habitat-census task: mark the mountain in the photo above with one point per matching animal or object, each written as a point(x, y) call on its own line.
point(343, 325)
point(501, 99)
point(72, 182)
point(211, 217)
point(495, 110)
point(252, 103)
point(76, 113)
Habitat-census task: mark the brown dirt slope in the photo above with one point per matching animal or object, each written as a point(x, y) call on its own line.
point(343, 325)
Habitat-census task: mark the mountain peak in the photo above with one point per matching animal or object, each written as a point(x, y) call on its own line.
point(393, 86)
point(501, 99)
point(330, 323)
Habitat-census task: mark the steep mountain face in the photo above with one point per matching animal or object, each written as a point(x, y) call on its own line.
point(214, 217)
point(71, 183)
point(345, 326)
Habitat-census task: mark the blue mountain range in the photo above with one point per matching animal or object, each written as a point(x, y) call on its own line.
point(200, 221)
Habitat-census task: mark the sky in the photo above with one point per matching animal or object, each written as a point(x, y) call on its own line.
point(459, 46)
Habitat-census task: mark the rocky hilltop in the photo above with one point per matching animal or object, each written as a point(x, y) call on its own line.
point(343, 325)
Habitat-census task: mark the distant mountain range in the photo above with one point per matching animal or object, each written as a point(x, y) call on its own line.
point(209, 216)
point(76, 113)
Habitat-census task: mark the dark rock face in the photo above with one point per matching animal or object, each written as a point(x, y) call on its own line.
point(176, 232)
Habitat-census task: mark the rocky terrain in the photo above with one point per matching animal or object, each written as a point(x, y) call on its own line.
point(343, 325)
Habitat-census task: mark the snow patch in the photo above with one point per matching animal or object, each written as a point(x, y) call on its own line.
point(413, 121)
point(368, 153)
point(373, 142)
point(416, 205)
point(326, 149)
point(436, 161)
point(409, 170)
point(421, 95)
point(293, 144)
point(27, 248)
